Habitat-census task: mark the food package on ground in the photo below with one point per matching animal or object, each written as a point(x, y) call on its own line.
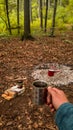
point(13, 92)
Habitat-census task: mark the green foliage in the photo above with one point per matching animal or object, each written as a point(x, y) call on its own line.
point(62, 14)
point(64, 17)
point(13, 18)
point(61, 25)
point(65, 3)
point(2, 26)
point(70, 12)
point(34, 8)
point(21, 19)
point(35, 27)
point(2, 18)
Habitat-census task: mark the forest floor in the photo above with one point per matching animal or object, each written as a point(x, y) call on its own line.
point(17, 60)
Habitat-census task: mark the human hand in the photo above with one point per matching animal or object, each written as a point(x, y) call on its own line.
point(55, 98)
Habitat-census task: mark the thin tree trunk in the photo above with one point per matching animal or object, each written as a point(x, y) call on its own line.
point(7, 13)
point(21, 5)
point(44, 1)
point(31, 19)
point(54, 16)
point(49, 3)
point(46, 14)
point(26, 19)
point(18, 16)
point(41, 15)
point(38, 9)
point(60, 2)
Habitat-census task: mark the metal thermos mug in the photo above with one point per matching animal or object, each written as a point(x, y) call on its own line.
point(40, 92)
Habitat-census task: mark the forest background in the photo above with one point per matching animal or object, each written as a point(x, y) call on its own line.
point(39, 16)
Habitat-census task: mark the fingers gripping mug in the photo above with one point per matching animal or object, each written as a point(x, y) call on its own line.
point(40, 92)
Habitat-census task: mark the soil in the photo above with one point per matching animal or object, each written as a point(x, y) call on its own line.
point(17, 61)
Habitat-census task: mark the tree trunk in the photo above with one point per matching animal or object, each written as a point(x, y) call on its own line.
point(26, 19)
point(54, 16)
point(41, 15)
point(44, 2)
point(46, 15)
point(49, 3)
point(31, 19)
point(60, 2)
point(7, 13)
point(21, 5)
point(18, 16)
point(38, 9)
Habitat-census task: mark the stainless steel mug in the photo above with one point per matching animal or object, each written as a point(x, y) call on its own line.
point(40, 92)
